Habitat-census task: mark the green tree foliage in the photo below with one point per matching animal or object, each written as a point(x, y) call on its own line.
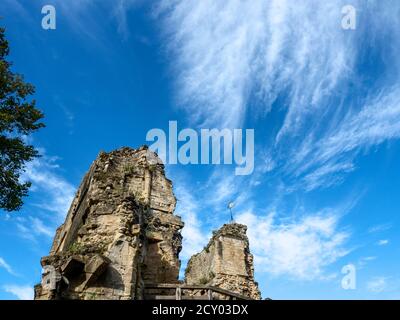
point(18, 118)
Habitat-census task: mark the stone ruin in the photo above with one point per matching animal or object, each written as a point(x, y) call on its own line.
point(120, 235)
point(226, 262)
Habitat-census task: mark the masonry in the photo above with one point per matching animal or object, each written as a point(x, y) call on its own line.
point(226, 262)
point(121, 235)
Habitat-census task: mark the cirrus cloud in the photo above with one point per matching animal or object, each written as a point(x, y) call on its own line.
point(300, 249)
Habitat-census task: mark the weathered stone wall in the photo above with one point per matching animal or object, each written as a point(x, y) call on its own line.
point(119, 233)
point(226, 262)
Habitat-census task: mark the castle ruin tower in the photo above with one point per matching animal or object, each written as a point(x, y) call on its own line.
point(226, 263)
point(119, 234)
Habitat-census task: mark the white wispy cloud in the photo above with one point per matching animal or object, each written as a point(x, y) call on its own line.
point(51, 196)
point(69, 115)
point(383, 242)
point(24, 292)
point(86, 17)
point(40, 228)
point(42, 172)
point(363, 261)
point(6, 266)
point(120, 11)
point(256, 49)
point(231, 56)
point(334, 151)
point(300, 249)
point(222, 187)
point(24, 231)
point(31, 228)
point(16, 7)
point(380, 228)
point(377, 284)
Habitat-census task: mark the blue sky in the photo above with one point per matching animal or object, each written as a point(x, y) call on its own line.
point(324, 103)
